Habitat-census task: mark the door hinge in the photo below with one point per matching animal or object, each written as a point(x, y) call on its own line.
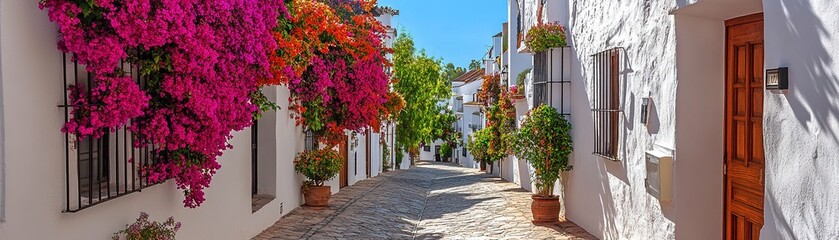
point(725, 169)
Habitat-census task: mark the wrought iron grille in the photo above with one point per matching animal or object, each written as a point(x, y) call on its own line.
point(606, 102)
point(104, 168)
point(550, 84)
point(254, 157)
point(310, 142)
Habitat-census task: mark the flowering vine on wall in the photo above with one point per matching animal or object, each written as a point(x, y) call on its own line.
point(200, 60)
point(203, 63)
point(333, 61)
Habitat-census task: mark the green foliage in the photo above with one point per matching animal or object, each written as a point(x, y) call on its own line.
point(420, 81)
point(446, 151)
point(478, 144)
point(544, 140)
point(318, 166)
point(262, 102)
point(545, 36)
point(399, 156)
point(443, 122)
point(145, 229)
point(521, 77)
point(450, 72)
point(474, 64)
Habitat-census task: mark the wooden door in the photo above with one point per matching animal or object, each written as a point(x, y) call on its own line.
point(744, 158)
point(344, 152)
point(369, 155)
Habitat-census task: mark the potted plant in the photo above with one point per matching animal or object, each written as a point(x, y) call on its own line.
point(145, 229)
point(544, 140)
point(545, 36)
point(318, 166)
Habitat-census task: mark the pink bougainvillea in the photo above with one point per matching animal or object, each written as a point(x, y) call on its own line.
point(200, 59)
point(105, 107)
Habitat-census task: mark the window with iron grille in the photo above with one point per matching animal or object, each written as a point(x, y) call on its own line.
point(310, 142)
point(551, 84)
point(606, 102)
point(103, 168)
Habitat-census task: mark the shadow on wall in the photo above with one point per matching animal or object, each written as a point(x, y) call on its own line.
point(812, 97)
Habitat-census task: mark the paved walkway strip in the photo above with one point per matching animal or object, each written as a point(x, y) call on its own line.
point(428, 201)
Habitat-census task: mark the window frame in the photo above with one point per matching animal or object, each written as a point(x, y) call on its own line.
point(606, 110)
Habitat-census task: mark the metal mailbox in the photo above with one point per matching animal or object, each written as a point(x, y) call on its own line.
point(659, 180)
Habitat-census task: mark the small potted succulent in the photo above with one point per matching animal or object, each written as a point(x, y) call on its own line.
point(545, 36)
point(318, 166)
point(544, 140)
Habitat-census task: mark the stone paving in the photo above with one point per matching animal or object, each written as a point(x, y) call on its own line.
point(428, 201)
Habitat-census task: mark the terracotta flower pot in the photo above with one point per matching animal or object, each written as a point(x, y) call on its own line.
point(545, 209)
point(317, 196)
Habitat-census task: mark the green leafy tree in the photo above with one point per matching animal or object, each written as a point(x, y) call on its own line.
point(450, 72)
point(474, 64)
point(420, 81)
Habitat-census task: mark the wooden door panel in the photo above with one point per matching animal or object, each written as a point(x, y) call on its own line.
point(344, 176)
point(744, 188)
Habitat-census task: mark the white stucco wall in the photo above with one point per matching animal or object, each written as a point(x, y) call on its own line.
point(801, 125)
point(2, 134)
point(678, 60)
point(608, 198)
point(31, 75)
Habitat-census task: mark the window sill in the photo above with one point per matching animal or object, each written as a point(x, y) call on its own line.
point(260, 200)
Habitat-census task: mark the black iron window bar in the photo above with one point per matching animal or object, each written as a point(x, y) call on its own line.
point(254, 157)
point(546, 80)
point(309, 141)
point(606, 102)
point(104, 168)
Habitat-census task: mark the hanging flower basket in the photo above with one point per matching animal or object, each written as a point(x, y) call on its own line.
point(545, 36)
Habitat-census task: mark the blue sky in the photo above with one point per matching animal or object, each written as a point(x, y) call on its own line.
point(455, 30)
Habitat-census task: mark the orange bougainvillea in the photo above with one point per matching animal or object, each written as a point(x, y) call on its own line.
point(310, 29)
point(490, 89)
point(331, 56)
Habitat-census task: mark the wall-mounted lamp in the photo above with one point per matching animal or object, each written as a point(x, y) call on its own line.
point(777, 78)
point(645, 110)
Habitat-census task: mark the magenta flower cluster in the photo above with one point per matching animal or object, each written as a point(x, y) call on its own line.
point(201, 60)
point(105, 107)
point(342, 96)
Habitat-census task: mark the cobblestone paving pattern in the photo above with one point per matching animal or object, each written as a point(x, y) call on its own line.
point(428, 201)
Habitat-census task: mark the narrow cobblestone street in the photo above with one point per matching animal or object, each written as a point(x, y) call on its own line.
point(428, 201)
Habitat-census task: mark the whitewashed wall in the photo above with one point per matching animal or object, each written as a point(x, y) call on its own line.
point(801, 125)
point(646, 32)
point(467, 90)
point(31, 82)
point(513, 169)
point(2, 135)
point(687, 47)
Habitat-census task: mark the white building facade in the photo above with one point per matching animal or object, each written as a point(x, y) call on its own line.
point(34, 175)
point(694, 81)
point(468, 111)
